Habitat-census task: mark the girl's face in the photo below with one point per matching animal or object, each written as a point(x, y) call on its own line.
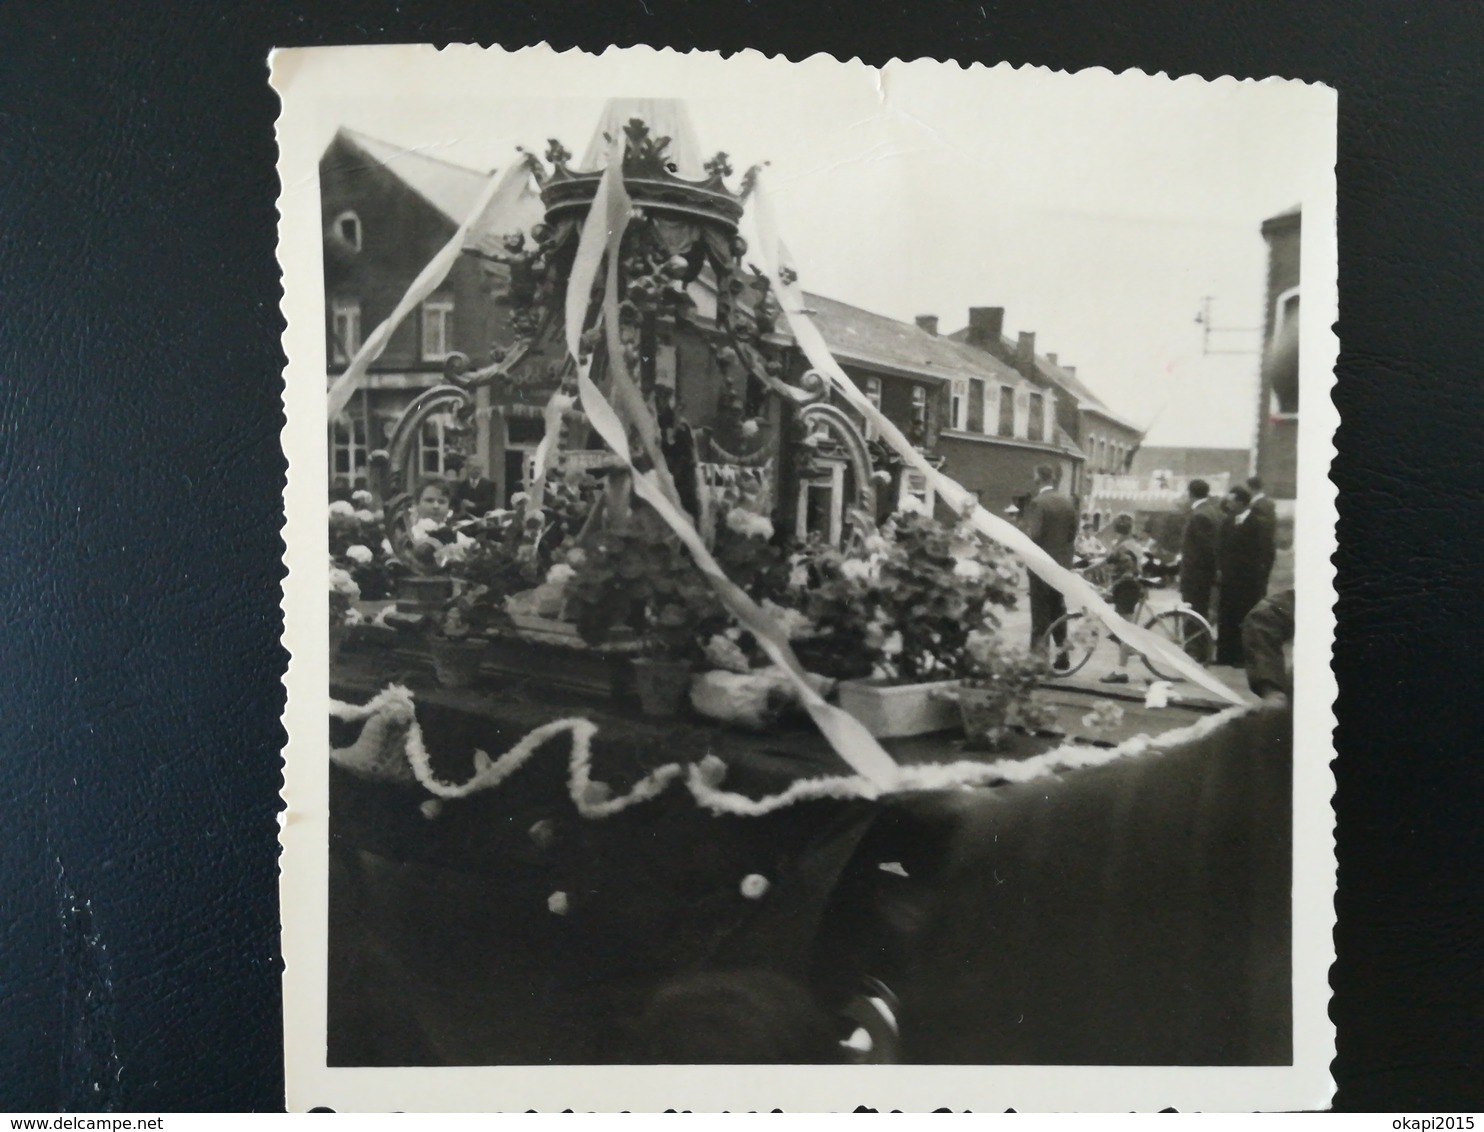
point(432, 504)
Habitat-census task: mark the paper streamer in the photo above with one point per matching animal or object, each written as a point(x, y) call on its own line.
point(428, 280)
point(845, 733)
point(1076, 589)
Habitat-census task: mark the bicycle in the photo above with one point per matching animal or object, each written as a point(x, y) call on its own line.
point(1182, 626)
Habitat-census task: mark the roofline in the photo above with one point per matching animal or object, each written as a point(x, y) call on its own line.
point(1108, 414)
point(351, 136)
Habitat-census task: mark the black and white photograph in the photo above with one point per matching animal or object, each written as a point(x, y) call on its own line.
point(827, 574)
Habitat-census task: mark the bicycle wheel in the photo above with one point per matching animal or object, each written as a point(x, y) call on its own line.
point(1081, 637)
point(1186, 630)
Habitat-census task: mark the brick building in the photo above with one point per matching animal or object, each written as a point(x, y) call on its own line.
point(386, 212)
point(1105, 440)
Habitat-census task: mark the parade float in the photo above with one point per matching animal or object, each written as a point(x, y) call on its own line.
point(695, 696)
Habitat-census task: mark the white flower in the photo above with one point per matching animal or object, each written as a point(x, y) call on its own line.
point(755, 886)
point(556, 903)
point(362, 498)
point(422, 530)
point(856, 570)
point(342, 509)
point(724, 654)
point(876, 544)
point(749, 524)
point(450, 552)
point(968, 569)
point(342, 583)
point(560, 574)
point(365, 516)
point(892, 646)
point(386, 546)
point(577, 556)
point(361, 554)
point(749, 429)
point(794, 623)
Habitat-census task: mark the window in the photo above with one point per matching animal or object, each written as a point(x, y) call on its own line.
point(919, 414)
point(914, 486)
point(431, 448)
point(437, 329)
point(872, 389)
point(347, 226)
point(348, 448)
point(958, 404)
point(1285, 308)
point(1007, 410)
point(1037, 423)
point(345, 330)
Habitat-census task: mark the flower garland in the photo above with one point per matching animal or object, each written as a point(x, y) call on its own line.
point(594, 799)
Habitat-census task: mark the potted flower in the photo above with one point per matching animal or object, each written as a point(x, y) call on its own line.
point(636, 574)
point(898, 607)
point(997, 691)
point(485, 571)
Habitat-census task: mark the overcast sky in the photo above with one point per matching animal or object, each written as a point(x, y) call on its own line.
point(1098, 210)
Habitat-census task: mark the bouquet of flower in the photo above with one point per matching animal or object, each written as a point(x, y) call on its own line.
point(899, 603)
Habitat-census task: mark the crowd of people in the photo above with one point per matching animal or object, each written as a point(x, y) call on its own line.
point(1225, 566)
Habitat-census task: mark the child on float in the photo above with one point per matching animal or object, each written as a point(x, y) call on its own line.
point(1125, 563)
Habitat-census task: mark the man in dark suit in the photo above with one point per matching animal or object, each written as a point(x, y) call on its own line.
point(474, 495)
point(1050, 518)
point(1265, 515)
point(1198, 548)
point(1243, 561)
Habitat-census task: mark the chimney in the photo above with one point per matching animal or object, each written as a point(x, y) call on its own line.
point(986, 325)
point(928, 322)
point(1051, 358)
point(1025, 355)
point(1071, 370)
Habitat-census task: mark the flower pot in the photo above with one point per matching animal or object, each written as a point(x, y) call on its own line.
point(984, 712)
point(456, 663)
point(662, 685)
point(894, 711)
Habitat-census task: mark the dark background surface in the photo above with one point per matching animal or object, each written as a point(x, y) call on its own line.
point(140, 476)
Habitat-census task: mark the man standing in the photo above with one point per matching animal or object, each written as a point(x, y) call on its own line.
point(473, 495)
point(1265, 515)
point(1050, 519)
point(1243, 574)
point(1198, 548)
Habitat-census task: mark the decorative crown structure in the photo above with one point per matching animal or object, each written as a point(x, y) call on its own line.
point(652, 179)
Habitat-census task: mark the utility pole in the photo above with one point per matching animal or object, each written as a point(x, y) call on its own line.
point(1203, 319)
